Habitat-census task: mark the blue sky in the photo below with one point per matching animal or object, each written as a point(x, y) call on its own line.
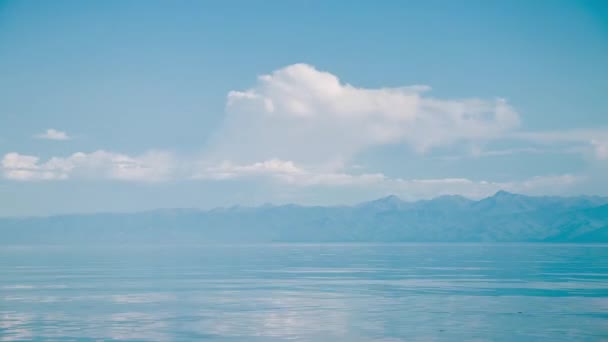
point(133, 105)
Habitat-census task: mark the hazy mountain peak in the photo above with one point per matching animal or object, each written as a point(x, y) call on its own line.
point(390, 198)
point(444, 203)
point(384, 203)
point(501, 217)
point(503, 193)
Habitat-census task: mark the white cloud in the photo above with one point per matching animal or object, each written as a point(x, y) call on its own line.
point(301, 127)
point(161, 166)
point(229, 170)
point(285, 172)
point(300, 113)
point(53, 134)
point(22, 167)
point(308, 125)
point(151, 166)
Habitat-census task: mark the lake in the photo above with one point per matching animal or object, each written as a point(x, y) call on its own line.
point(305, 292)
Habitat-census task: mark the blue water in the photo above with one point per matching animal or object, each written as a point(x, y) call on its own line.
point(406, 292)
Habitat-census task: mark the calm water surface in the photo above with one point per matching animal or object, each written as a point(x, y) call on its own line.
point(406, 292)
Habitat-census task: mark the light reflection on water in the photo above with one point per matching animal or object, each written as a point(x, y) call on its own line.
point(304, 292)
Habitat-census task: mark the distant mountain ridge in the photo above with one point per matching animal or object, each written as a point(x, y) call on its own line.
point(503, 217)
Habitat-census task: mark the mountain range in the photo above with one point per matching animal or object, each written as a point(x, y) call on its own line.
point(503, 217)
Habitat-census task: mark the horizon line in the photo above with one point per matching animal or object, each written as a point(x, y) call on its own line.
point(270, 204)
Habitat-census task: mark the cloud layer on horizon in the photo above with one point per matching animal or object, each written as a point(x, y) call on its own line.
point(158, 166)
point(301, 127)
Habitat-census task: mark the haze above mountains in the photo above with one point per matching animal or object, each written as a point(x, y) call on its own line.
point(503, 217)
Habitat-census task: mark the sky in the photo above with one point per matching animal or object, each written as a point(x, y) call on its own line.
point(136, 105)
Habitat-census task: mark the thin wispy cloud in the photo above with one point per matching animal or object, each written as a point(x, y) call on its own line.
point(288, 174)
point(53, 134)
point(593, 141)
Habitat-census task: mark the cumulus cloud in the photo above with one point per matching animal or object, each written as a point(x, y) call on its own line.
point(22, 167)
point(53, 134)
point(150, 166)
point(300, 113)
point(301, 127)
